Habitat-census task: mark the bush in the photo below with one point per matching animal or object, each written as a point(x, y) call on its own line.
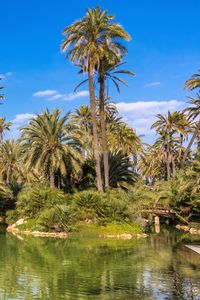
point(33, 199)
point(52, 210)
point(12, 216)
point(104, 208)
point(58, 218)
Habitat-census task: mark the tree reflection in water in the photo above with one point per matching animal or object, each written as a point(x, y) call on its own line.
point(154, 268)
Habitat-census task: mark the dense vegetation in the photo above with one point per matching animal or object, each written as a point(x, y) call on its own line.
point(51, 173)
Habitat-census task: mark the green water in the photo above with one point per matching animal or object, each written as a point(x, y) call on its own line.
point(159, 267)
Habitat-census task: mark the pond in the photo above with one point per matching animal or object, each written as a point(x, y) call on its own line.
point(158, 267)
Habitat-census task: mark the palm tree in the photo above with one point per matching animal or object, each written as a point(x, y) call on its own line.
point(82, 119)
point(87, 41)
point(167, 126)
point(165, 145)
point(193, 115)
point(1, 95)
point(49, 146)
point(108, 70)
point(194, 112)
point(193, 82)
point(11, 161)
point(121, 171)
point(123, 138)
point(4, 126)
point(151, 162)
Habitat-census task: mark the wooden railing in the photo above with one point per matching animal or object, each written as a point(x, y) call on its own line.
point(158, 210)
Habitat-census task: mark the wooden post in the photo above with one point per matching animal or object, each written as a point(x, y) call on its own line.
point(157, 224)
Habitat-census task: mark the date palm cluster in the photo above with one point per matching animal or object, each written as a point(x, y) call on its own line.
point(93, 143)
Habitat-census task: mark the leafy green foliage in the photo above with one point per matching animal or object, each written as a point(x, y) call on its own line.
point(33, 199)
point(104, 208)
point(121, 172)
point(185, 189)
point(57, 218)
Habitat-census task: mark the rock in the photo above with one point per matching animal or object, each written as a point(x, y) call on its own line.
point(20, 222)
point(178, 226)
point(193, 231)
point(185, 228)
point(142, 235)
point(188, 229)
point(125, 236)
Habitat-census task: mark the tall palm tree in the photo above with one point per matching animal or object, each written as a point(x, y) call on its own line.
point(194, 112)
point(108, 70)
point(165, 145)
point(49, 146)
point(193, 82)
point(167, 126)
point(193, 115)
point(4, 126)
point(86, 42)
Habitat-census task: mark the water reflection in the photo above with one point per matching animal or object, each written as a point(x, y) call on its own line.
point(159, 267)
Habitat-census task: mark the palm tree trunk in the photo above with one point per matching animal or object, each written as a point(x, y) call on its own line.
point(167, 162)
point(173, 166)
point(191, 143)
point(52, 178)
point(1, 136)
point(94, 126)
point(103, 131)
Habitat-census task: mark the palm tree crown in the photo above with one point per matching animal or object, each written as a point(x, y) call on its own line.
point(88, 40)
point(1, 95)
point(52, 147)
point(4, 126)
point(193, 82)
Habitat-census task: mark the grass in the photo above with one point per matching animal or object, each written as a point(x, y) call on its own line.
point(30, 225)
point(117, 229)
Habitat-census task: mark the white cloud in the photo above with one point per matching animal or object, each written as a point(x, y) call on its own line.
point(152, 84)
point(140, 115)
point(22, 118)
point(5, 75)
point(73, 96)
point(17, 122)
point(55, 95)
point(45, 93)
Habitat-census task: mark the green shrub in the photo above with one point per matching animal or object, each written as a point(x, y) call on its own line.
point(87, 199)
point(33, 199)
point(105, 208)
point(12, 216)
point(57, 218)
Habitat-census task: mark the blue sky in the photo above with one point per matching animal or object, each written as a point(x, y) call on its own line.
point(164, 52)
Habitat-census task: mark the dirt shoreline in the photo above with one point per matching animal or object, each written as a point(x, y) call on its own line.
point(63, 235)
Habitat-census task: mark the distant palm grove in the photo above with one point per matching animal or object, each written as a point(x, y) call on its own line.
point(89, 165)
